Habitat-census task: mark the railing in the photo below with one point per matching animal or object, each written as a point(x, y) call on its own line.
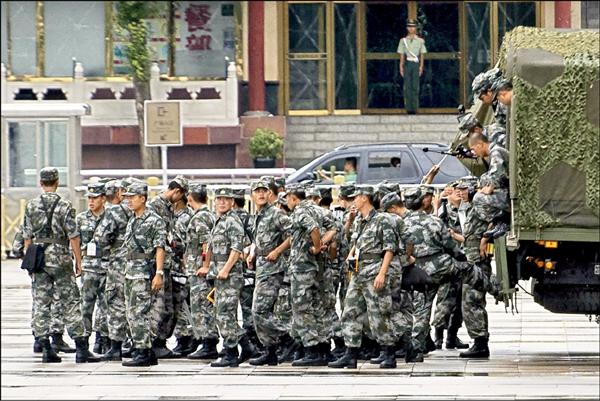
point(213, 102)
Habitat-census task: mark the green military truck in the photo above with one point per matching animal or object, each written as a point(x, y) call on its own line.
point(553, 129)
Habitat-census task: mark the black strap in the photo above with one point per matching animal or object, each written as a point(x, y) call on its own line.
point(49, 214)
point(246, 231)
point(137, 243)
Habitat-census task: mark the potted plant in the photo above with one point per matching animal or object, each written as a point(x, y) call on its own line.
point(265, 147)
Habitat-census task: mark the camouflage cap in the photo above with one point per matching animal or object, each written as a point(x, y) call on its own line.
point(49, 174)
point(112, 186)
point(500, 83)
point(95, 189)
point(129, 180)
point(239, 193)
point(182, 182)
point(385, 187)
point(280, 182)
point(312, 192)
point(346, 190)
point(467, 181)
point(493, 75)
point(452, 184)
point(282, 198)
point(137, 188)
point(480, 84)
point(467, 122)
point(223, 193)
point(413, 194)
point(197, 188)
point(268, 178)
point(325, 192)
point(363, 190)
point(427, 189)
point(262, 183)
point(389, 200)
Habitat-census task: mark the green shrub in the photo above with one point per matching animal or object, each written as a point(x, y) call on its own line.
point(266, 143)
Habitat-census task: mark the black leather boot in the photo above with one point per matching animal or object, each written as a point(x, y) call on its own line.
point(348, 360)
point(389, 360)
point(142, 357)
point(229, 359)
point(269, 357)
point(127, 348)
point(98, 344)
point(478, 350)
point(379, 359)
point(412, 354)
point(299, 353)
point(60, 345)
point(159, 346)
point(48, 353)
point(340, 347)
point(429, 345)
point(114, 353)
point(208, 350)
point(182, 344)
point(288, 351)
point(325, 350)
point(37, 347)
point(312, 357)
point(248, 349)
point(439, 337)
point(193, 345)
point(453, 342)
point(82, 351)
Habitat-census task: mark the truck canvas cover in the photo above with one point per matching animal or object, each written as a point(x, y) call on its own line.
point(553, 126)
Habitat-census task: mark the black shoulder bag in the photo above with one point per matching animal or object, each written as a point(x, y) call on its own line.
point(34, 259)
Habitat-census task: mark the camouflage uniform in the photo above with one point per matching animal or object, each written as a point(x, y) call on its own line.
point(182, 326)
point(495, 205)
point(94, 274)
point(247, 292)
point(434, 250)
point(162, 302)
point(144, 234)
point(227, 235)
point(109, 236)
point(271, 227)
point(372, 237)
point(202, 310)
point(57, 279)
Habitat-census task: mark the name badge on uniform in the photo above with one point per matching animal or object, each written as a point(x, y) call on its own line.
point(91, 249)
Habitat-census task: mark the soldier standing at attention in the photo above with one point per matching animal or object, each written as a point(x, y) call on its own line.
point(225, 250)
point(50, 221)
point(373, 247)
point(202, 310)
point(95, 264)
point(109, 237)
point(145, 242)
point(412, 61)
point(271, 230)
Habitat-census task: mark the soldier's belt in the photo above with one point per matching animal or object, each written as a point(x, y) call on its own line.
point(139, 255)
point(63, 242)
point(426, 258)
point(220, 258)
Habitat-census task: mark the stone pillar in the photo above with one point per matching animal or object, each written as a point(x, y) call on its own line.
point(3, 97)
point(78, 84)
point(155, 82)
point(562, 14)
point(256, 57)
point(232, 93)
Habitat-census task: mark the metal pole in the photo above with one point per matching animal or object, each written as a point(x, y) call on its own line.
point(163, 160)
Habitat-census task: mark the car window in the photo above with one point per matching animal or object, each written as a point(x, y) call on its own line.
point(391, 165)
point(323, 170)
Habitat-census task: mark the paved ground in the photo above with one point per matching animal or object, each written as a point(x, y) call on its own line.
point(535, 354)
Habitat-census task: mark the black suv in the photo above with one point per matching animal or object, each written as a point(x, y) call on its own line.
point(405, 163)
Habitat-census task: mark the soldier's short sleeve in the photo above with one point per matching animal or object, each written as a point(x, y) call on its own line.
point(284, 224)
point(104, 233)
point(203, 227)
point(329, 222)
point(389, 239)
point(236, 233)
point(159, 240)
point(70, 224)
point(306, 221)
point(27, 227)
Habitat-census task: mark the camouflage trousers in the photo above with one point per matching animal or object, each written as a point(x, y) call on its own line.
point(227, 298)
point(60, 282)
point(448, 310)
point(183, 322)
point(162, 312)
point(474, 303)
point(361, 299)
point(307, 312)
point(203, 311)
point(422, 304)
point(93, 296)
point(402, 307)
point(115, 302)
point(266, 293)
point(138, 302)
point(332, 320)
point(57, 325)
point(283, 307)
point(246, 297)
point(491, 207)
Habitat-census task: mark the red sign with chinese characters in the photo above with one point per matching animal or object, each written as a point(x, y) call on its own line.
point(198, 18)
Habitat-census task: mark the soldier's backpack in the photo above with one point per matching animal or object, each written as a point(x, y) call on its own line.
point(34, 259)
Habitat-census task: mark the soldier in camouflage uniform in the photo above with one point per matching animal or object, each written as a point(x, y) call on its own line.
point(162, 304)
point(374, 243)
point(503, 89)
point(448, 311)
point(437, 254)
point(270, 231)
point(483, 89)
point(202, 311)
point(95, 265)
point(144, 242)
point(109, 236)
point(182, 325)
point(247, 293)
point(50, 222)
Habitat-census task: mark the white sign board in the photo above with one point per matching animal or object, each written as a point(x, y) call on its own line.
point(162, 123)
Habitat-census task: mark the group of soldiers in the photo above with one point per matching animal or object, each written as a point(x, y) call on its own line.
point(172, 266)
